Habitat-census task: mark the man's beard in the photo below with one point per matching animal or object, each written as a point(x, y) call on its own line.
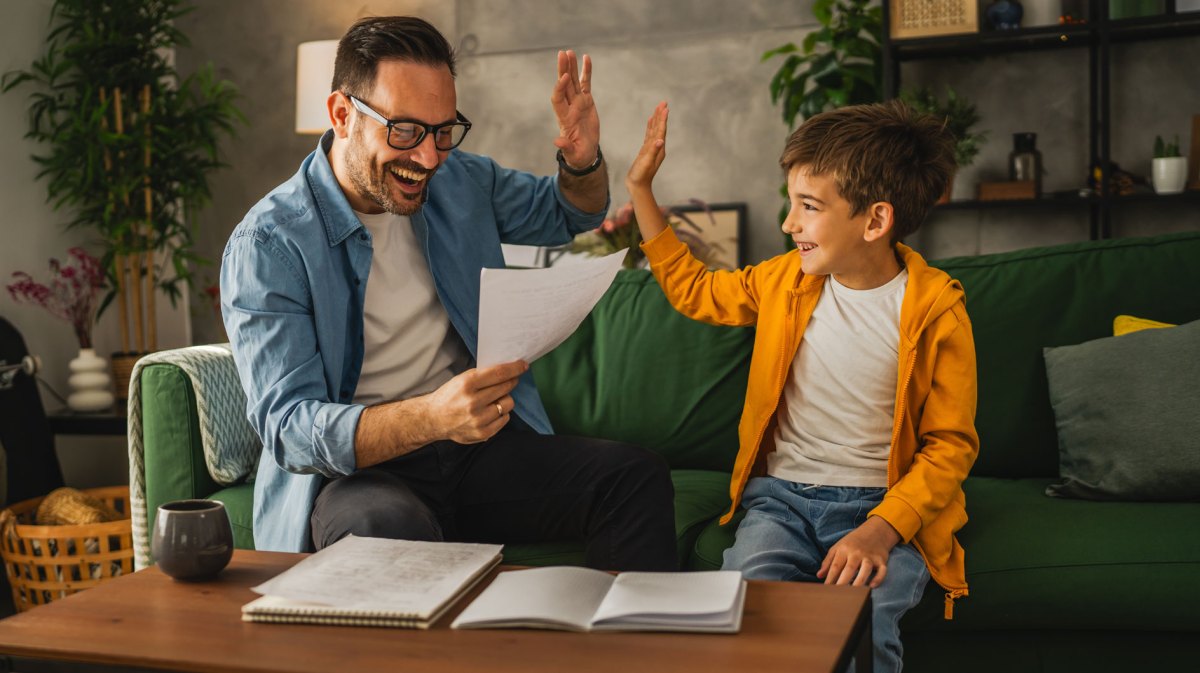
point(373, 182)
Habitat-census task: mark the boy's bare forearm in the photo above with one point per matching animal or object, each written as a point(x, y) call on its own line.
point(650, 219)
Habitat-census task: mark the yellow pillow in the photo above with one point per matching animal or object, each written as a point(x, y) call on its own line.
point(1127, 324)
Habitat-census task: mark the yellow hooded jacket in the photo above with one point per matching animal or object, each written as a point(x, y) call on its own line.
point(934, 442)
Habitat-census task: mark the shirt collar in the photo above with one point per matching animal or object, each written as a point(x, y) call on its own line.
point(335, 212)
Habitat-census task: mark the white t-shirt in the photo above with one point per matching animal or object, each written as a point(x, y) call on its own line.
point(835, 425)
point(409, 346)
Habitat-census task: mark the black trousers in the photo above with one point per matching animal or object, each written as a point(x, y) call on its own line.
point(516, 487)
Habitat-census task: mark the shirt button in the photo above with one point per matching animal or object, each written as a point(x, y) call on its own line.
point(345, 394)
point(362, 237)
point(357, 281)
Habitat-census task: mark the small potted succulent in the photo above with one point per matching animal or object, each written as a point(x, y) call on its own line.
point(1168, 170)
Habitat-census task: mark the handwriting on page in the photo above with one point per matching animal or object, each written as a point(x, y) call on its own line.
point(395, 574)
point(524, 314)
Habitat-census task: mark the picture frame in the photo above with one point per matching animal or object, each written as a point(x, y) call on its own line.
point(928, 18)
point(713, 231)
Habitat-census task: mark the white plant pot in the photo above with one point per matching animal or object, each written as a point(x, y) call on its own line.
point(91, 386)
point(1169, 174)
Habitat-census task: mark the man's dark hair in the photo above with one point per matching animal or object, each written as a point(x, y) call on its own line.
point(879, 152)
point(380, 38)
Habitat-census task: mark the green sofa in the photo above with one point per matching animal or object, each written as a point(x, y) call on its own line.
point(1056, 585)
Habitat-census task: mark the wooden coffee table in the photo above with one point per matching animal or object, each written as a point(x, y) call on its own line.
point(149, 621)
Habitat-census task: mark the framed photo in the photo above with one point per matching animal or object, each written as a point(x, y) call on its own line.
point(926, 18)
point(713, 231)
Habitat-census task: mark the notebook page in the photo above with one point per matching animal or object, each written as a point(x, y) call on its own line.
point(556, 596)
point(672, 596)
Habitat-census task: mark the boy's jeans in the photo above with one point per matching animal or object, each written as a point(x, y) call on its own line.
point(787, 532)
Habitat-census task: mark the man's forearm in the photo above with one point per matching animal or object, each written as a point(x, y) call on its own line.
point(588, 193)
point(389, 430)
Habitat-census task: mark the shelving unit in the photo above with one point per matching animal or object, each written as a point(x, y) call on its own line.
point(1097, 36)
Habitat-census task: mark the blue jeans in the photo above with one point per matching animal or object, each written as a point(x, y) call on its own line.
point(790, 527)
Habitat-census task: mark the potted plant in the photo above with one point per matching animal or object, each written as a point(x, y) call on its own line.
point(129, 145)
point(961, 117)
point(1168, 170)
point(839, 64)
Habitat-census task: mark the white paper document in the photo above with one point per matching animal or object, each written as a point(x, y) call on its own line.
point(525, 313)
point(407, 583)
point(583, 599)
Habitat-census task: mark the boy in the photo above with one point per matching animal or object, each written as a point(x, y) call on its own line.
point(858, 426)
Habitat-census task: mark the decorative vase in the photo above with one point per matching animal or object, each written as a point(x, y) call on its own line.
point(91, 387)
point(1005, 14)
point(1168, 174)
point(1025, 161)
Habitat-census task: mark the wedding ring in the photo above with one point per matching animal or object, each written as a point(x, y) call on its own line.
point(499, 410)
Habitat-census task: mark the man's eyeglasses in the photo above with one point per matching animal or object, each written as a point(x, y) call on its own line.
point(405, 134)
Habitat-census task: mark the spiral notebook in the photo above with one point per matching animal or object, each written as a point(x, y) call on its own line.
point(362, 581)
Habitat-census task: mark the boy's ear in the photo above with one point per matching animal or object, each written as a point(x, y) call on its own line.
point(879, 224)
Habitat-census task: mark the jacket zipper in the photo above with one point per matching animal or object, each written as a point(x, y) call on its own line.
point(951, 596)
point(778, 377)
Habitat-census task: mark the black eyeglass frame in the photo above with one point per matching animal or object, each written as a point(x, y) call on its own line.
point(426, 129)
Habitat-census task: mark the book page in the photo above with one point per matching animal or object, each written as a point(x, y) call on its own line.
point(644, 598)
point(377, 575)
point(556, 597)
point(524, 314)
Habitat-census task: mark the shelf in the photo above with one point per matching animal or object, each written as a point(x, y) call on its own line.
point(1041, 38)
point(1068, 199)
point(993, 42)
point(110, 422)
point(1188, 196)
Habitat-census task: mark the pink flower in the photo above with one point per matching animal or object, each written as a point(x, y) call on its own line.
point(71, 294)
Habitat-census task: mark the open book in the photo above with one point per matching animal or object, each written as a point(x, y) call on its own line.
point(582, 599)
point(364, 581)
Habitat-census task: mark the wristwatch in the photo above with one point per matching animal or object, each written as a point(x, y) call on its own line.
point(580, 172)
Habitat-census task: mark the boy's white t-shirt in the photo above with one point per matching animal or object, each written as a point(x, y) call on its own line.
point(409, 346)
point(835, 423)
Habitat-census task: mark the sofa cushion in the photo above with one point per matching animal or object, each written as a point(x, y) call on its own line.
point(1022, 301)
point(639, 372)
point(239, 505)
point(1035, 562)
point(174, 455)
point(1125, 408)
point(712, 542)
point(700, 497)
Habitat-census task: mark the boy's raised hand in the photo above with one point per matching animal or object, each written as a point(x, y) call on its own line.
point(654, 151)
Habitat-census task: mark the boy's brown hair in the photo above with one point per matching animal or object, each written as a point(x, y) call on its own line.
point(878, 152)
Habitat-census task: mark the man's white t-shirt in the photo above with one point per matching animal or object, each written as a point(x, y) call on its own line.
point(835, 423)
point(409, 346)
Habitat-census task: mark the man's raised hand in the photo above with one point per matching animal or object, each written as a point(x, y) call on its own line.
point(578, 121)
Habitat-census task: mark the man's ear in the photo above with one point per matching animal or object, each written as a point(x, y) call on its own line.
point(879, 225)
point(339, 113)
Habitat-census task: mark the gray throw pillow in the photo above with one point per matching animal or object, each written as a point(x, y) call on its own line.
point(1127, 410)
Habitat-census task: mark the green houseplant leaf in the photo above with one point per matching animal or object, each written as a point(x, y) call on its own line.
point(839, 63)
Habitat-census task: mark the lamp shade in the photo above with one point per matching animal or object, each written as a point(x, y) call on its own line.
point(314, 76)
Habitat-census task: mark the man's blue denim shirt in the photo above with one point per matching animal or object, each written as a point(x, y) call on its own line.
point(293, 279)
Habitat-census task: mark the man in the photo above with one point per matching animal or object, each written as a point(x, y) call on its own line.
point(351, 295)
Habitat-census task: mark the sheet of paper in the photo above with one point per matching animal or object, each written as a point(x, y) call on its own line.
point(366, 573)
point(525, 313)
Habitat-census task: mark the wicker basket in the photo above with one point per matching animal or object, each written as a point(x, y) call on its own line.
point(45, 563)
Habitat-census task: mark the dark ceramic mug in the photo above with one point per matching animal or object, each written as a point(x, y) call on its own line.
point(192, 539)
